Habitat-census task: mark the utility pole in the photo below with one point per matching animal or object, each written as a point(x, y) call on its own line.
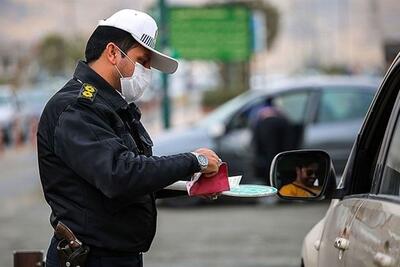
point(164, 45)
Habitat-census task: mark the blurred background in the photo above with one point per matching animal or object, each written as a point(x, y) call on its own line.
point(318, 63)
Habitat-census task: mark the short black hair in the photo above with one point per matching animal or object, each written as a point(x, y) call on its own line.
point(103, 35)
point(305, 161)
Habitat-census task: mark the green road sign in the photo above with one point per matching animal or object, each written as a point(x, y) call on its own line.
point(210, 33)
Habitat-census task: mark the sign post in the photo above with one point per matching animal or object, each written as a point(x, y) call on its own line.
point(220, 33)
point(211, 33)
point(164, 44)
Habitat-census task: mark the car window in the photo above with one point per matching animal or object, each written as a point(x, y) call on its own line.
point(247, 116)
point(294, 105)
point(343, 104)
point(391, 174)
point(221, 114)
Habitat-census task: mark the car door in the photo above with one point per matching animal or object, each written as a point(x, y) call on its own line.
point(340, 112)
point(297, 105)
point(375, 238)
point(235, 145)
point(362, 228)
point(339, 224)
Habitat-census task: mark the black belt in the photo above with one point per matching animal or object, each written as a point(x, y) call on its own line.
point(103, 252)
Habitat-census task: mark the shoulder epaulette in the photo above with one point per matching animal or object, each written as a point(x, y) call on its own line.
point(88, 92)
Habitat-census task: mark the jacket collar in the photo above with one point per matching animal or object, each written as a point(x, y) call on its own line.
point(85, 74)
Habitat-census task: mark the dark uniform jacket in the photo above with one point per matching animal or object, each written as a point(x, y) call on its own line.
point(96, 165)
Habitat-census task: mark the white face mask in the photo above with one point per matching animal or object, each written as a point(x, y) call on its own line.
point(132, 88)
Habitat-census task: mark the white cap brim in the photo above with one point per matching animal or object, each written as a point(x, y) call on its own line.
point(143, 29)
point(159, 60)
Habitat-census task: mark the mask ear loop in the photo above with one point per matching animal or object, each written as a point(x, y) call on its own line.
point(122, 52)
point(118, 71)
point(126, 55)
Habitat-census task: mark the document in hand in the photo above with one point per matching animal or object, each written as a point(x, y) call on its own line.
point(221, 183)
point(201, 185)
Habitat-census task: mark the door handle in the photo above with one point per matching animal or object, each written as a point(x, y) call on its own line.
point(317, 244)
point(341, 243)
point(383, 260)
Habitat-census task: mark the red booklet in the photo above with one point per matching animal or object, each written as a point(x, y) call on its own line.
point(210, 185)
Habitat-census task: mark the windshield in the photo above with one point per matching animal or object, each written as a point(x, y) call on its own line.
point(221, 114)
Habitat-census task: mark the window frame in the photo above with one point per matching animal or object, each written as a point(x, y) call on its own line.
point(393, 122)
point(252, 102)
point(309, 91)
point(366, 151)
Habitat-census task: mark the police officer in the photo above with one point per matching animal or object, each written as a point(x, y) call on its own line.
point(95, 157)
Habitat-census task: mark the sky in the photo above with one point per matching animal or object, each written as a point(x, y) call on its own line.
point(29, 20)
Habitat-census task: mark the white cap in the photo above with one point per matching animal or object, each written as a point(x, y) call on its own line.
point(144, 29)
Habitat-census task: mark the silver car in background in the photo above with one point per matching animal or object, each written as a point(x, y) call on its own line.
point(8, 113)
point(327, 110)
point(31, 103)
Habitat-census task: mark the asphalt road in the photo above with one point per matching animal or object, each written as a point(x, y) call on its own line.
point(213, 235)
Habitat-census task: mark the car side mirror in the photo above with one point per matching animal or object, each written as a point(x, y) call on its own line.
point(303, 175)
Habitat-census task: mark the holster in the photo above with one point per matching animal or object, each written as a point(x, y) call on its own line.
point(70, 257)
point(71, 252)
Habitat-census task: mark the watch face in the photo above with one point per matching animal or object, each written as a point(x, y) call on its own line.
point(203, 160)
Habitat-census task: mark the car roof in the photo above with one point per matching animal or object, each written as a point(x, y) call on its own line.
point(297, 83)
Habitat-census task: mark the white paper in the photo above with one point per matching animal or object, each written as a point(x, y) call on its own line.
point(180, 186)
point(234, 181)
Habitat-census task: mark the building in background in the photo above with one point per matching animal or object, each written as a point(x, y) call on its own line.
point(351, 34)
point(324, 33)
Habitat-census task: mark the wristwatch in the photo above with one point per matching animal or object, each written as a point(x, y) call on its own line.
point(202, 160)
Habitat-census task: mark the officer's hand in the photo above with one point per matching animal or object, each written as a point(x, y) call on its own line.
point(213, 161)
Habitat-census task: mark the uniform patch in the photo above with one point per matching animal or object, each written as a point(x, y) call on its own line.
point(88, 91)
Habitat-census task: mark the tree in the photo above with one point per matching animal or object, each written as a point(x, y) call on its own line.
point(271, 17)
point(236, 76)
point(52, 54)
point(57, 55)
point(75, 51)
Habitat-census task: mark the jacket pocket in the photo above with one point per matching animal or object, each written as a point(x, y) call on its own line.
point(129, 142)
point(146, 141)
